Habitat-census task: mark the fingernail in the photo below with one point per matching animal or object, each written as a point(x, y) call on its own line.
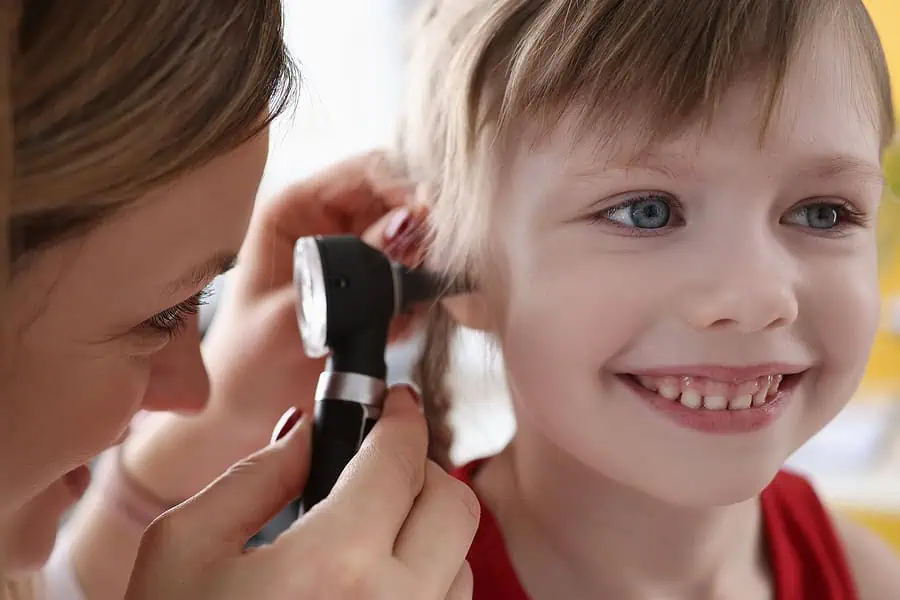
point(286, 423)
point(414, 391)
point(398, 225)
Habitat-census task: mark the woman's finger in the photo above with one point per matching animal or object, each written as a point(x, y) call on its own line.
point(218, 521)
point(400, 234)
point(377, 489)
point(340, 199)
point(446, 510)
point(349, 195)
point(463, 587)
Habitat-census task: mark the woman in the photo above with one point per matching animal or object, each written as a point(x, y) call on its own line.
point(137, 136)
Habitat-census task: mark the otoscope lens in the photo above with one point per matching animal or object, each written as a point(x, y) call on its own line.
point(312, 308)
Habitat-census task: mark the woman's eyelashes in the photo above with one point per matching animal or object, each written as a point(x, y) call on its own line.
point(656, 213)
point(174, 319)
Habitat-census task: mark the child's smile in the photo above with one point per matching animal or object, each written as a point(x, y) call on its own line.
point(728, 284)
point(718, 399)
point(669, 213)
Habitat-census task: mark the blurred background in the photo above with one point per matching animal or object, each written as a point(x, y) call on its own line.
point(351, 58)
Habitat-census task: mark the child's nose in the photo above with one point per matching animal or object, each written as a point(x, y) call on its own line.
point(749, 287)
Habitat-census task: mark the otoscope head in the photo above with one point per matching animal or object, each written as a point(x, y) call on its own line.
point(348, 294)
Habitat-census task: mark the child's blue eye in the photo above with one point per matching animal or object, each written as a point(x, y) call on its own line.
point(822, 216)
point(827, 218)
point(648, 212)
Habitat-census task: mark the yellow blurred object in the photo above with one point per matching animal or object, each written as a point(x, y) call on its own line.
point(892, 169)
point(886, 15)
point(882, 377)
point(885, 524)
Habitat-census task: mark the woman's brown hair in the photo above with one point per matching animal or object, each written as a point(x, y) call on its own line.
point(112, 98)
point(103, 101)
point(483, 70)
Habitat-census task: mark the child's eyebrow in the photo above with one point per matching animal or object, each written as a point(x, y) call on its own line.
point(841, 165)
point(668, 165)
point(821, 167)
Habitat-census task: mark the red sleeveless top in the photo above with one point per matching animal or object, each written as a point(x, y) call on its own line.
point(806, 556)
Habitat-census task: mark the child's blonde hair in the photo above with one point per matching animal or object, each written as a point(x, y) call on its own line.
point(480, 70)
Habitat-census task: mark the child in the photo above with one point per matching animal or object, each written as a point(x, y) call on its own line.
point(668, 209)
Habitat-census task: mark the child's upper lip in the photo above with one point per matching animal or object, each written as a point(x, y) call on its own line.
point(728, 373)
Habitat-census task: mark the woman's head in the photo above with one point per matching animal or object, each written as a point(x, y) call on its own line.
point(139, 142)
point(668, 208)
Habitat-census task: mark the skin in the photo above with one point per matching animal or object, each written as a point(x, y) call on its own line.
point(74, 364)
point(215, 408)
point(84, 347)
point(250, 389)
point(597, 488)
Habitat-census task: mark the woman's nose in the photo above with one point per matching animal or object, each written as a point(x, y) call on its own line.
point(178, 378)
point(748, 288)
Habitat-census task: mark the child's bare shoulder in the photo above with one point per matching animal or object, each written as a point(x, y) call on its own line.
point(875, 566)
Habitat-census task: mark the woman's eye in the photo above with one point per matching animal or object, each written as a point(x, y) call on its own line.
point(172, 320)
point(648, 212)
point(825, 216)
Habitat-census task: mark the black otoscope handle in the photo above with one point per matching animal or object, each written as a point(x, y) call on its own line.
point(347, 407)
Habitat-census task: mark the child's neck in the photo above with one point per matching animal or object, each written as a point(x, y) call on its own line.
point(574, 534)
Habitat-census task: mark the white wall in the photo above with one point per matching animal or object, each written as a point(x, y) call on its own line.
point(350, 64)
point(350, 59)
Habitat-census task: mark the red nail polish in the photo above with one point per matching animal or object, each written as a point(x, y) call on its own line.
point(409, 241)
point(398, 225)
point(286, 423)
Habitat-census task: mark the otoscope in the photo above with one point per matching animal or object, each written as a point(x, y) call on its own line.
point(349, 292)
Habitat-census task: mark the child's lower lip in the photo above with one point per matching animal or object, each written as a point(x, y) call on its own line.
point(710, 421)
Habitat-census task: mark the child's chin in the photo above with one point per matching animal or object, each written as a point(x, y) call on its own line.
point(715, 491)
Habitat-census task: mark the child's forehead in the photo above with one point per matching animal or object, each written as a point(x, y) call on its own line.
point(822, 115)
point(562, 168)
point(827, 97)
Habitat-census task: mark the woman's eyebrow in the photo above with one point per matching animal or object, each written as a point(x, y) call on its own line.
point(216, 265)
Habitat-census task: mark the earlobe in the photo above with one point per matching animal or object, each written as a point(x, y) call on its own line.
point(469, 311)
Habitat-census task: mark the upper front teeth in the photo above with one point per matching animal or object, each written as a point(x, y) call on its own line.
point(684, 390)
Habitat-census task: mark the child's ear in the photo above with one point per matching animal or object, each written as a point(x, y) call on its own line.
point(470, 311)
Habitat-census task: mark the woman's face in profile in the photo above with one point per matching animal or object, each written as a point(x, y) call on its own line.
point(105, 325)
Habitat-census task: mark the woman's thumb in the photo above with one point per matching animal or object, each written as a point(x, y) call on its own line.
point(233, 508)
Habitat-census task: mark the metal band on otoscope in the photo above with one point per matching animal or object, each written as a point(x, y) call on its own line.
point(398, 289)
point(352, 387)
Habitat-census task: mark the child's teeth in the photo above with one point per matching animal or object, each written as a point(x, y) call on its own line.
point(690, 398)
point(671, 388)
point(759, 398)
point(715, 402)
point(741, 402)
point(669, 391)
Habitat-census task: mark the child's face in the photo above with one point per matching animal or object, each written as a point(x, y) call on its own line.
point(727, 266)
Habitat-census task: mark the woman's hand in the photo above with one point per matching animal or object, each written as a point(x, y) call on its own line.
point(257, 370)
point(396, 527)
point(253, 352)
